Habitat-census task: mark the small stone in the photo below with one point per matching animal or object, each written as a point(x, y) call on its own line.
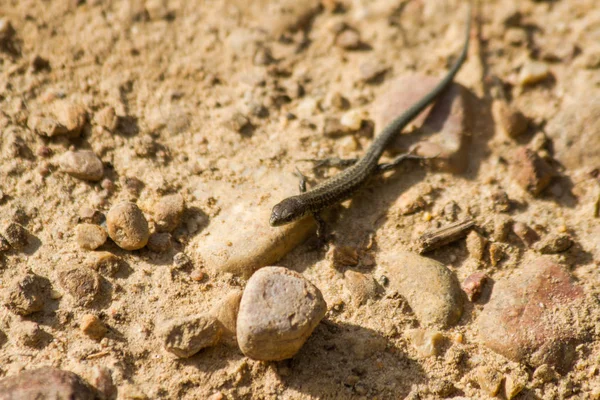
point(497, 253)
point(502, 227)
point(258, 110)
point(473, 285)
point(105, 263)
point(90, 236)
point(361, 287)
point(525, 233)
point(372, 70)
point(167, 212)
point(554, 243)
point(184, 337)
point(343, 256)
point(197, 275)
point(336, 101)
point(82, 164)
point(513, 122)
point(39, 63)
point(352, 120)
point(501, 202)
point(544, 374)
point(226, 312)
point(45, 126)
point(127, 226)
point(278, 312)
point(92, 326)
point(451, 211)
point(348, 39)
point(107, 118)
point(515, 36)
point(489, 379)
point(531, 316)
point(70, 115)
point(263, 56)
point(432, 290)
point(533, 72)
point(4, 245)
point(476, 245)
point(46, 383)
point(531, 172)
point(238, 122)
point(159, 242)
point(413, 200)
point(426, 343)
point(29, 334)
point(102, 380)
point(81, 283)
point(182, 261)
point(514, 384)
point(333, 128)
point(27, 295)
point(16, 236)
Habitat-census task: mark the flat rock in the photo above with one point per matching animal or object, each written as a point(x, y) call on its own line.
point(444, 122)
point(278, 312)
point(184, 337)
point(532, 316)
point(82, 164)
point(574, 131)
point(432, 290)
point(45, 383)
point(240, 240)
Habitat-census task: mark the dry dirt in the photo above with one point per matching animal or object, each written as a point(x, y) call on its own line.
point(177, 73)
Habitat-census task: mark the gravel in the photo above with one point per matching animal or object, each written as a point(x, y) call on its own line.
point(127, 226)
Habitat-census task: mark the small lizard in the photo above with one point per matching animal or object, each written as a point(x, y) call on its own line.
point(343, 185)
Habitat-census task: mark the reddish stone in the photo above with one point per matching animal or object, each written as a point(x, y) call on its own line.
point(46, 383)
point(473, 285)
point(531, 171)
point(531, 316)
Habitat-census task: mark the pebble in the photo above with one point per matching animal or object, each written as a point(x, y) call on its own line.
point(531, 171)
point(82, 164)
point(446, 119)
point(278, 312)
point(533, 72)
point(362, 287)
point(336, 101)
point(432, 290)
point(81, 283)
point(332, 127)
point(544, 374)
point(514, 384)
point(348, 39)
point(372, 70)
point(46, 383)
point(159, 242)
point(70, 115)
point(167, 212)
point(90, 236)
point(4, 245)
point(342, 256)
point(186, 336)
point(238, 122)
point(251, 242)
point(554, 243)
point(497, 253)
point(512, 121)
point(476, 245)
point(226, 312)
point(530, 315)
point(105, 263)
point(515, 36)
point(16, 235)
point(127, 226)
point(29, 334)
point(427, 343)
point(27, 295)
point(474, 284)
point(45, 126)
point(489, 380)
point(92, 326)
point(107, 118)
point(573, 129)
point(39, 63)
point(102, 380)
point(352, 120)
point(502, 227)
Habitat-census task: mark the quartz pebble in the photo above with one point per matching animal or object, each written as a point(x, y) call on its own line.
point(362, 287)
point(554, 243)
point(278, 312)
point(159, 242)
point(432, 290)
point(530, 316)
point(426, 343)
point(90, 236)
point(446, 120)
point(533, 72)
point(127, 226)
point(184, 337)
point(531, 171)
point(16, 235)
point(27, 295)
point(81, 283)
point(82, 164)
point(226, 312)
point(167, 212)
point(92, 326)
point(352, 120)
point(46, 383)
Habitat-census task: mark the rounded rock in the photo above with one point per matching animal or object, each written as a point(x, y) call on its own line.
point(278, 312)
point(184, 337)
point(81, 283)
point(92, 326)
point(16, 236)
point(159, 242)
point(127, 226)
point(46, 383)
point(167, 212)
point(90, 236)
point(82, 164)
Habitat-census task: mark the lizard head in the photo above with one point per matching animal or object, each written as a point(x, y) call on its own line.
point(287, 211)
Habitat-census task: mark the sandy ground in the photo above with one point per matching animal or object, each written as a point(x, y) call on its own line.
point(210, 94)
